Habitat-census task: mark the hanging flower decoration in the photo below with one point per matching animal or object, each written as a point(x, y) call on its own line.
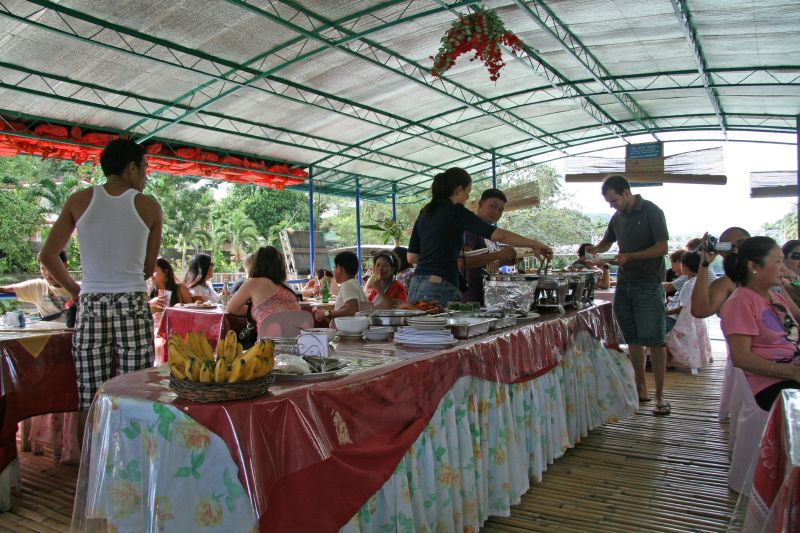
point(481, 31)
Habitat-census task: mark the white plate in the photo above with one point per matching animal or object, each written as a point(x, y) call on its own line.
point(428, 327)
point(418, 344)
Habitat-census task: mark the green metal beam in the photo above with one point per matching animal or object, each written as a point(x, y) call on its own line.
point(380, 56)
point(304, 95)
point(544, 17)
point(690, 32)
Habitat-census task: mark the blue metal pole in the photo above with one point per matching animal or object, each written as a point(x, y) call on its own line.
point(797, 149)
point(394, 202)
point(358, 230)
point(494, 170)
point(310, 222)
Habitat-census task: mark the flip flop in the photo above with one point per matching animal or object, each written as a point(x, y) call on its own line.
point(645, 400)
point(662, 409)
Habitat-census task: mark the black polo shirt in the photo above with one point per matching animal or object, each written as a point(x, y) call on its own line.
point(638, 230)
point(438, 238)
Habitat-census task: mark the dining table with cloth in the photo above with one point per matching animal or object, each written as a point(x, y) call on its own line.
point(214, 322)
point(37, 377)
point(405, 437)
point(774, 502)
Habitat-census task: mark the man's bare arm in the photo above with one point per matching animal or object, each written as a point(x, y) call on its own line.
point(58, 239)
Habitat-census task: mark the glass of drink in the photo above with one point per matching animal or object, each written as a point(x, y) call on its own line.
point(165, 297)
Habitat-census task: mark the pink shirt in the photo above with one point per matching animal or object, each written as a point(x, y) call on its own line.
point(282, 300)
point(746, 312)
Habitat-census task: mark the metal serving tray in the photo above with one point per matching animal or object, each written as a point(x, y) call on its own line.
point(464, 327)
point(390, 317)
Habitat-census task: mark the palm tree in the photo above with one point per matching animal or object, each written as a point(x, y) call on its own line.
point(240, 232)
point(54, 195)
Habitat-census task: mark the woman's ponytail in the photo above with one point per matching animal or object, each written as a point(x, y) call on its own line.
point(444, 185)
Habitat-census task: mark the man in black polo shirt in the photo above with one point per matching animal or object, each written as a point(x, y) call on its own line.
point(640, 230)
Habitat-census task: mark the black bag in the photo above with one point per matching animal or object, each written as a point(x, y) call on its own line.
point(248, 336)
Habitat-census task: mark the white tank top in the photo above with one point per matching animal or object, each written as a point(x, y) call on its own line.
point(113, 243)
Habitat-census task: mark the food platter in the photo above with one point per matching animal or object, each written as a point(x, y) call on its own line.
point(334, 372)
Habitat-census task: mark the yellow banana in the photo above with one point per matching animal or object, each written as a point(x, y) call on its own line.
point(221, 371)
point(230, 345)
point(206, 372)
point(236, 371)
point(176, 371)
point(205, 348)
point(196, 367)
point(221, 349)
point(251, 362)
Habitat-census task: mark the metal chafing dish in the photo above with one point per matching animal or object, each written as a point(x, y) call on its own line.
point(390, 317)
point(581, 296)
point(551, 292)
point(463, 326)
point(510, 292)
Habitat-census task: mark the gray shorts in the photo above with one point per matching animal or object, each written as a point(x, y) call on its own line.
point(640, 313)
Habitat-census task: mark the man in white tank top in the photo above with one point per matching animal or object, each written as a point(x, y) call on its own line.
point(119, 234)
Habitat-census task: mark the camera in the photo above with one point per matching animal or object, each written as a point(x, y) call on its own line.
point(712, 245)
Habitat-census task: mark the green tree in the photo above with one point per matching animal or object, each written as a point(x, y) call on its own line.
point(783, 229)
point(21, 219)
point(240, 232)
point(187, 205)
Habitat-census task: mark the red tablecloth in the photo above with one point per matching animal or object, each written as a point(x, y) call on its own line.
point(775, 497)
point(295, 444)
point(213, 322)
point(37, 376)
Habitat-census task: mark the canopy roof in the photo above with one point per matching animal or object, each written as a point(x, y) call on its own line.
point(344, 87)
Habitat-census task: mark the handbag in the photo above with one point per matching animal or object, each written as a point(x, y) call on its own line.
point(249, 334)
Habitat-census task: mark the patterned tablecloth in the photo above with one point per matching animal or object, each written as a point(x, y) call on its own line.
point(37, 376)
point(774, 504)
point(415, 438)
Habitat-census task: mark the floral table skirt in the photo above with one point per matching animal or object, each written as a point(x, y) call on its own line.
point(161, 471)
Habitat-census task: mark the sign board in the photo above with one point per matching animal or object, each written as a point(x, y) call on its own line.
point(644, 158)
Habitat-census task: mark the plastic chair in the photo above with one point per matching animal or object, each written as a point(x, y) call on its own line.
point(285, 324)
point(746, 428)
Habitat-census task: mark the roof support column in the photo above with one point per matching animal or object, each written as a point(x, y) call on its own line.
point(797, 149)
point(311, 221)
point(358, 230)
point(394, 202)
point(494, 169)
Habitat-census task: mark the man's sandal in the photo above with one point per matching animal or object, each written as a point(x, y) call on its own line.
point(662, 409)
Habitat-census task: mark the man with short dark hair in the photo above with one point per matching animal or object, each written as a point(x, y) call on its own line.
point(490, 208)
point(640, 229)
point(119, 234)
point(345, 272)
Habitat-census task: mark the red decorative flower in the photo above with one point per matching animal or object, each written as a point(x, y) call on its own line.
point(481, 31)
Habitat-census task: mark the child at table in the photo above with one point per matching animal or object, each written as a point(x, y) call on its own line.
point(351, 294)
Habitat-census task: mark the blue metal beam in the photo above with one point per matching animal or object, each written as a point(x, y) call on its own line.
point(358, 231)
point(311, 221)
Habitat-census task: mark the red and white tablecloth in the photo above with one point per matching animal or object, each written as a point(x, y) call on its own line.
point(775, 497)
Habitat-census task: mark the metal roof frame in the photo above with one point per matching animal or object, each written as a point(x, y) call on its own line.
point(579, 80)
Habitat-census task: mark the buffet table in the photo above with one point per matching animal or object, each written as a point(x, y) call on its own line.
point(429, 438)
point(774, 504)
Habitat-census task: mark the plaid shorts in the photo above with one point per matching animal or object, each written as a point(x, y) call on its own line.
point(113, 335)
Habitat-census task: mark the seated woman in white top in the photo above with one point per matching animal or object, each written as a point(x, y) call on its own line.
point(198, 279)
point(345, 273)
point(46, 294)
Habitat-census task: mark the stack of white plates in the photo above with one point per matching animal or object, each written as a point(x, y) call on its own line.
point(427, 322)
point(416, 337)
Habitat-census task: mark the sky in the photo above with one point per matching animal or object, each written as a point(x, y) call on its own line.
point(695, 209)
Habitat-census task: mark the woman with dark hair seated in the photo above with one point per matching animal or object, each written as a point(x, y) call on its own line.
point(382, 289)
point(791, 258)
point(198, 279)
point(265, 288)
point(164, 279)
point(761, 333)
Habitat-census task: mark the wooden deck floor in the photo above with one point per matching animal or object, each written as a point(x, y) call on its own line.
point(646, 473)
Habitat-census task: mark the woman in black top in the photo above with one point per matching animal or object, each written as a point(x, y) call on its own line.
point(438, 237)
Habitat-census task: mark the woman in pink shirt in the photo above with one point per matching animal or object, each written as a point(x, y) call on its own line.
point(760, 331)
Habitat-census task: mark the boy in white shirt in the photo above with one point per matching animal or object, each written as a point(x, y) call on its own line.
point(45, 293)
point(345, 271)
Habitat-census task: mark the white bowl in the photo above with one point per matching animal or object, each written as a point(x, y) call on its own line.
point(351, 324)
point(377, 335)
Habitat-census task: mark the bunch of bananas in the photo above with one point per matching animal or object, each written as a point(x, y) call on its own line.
point(193, 359)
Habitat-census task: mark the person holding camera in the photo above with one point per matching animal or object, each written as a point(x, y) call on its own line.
point(640, 229)
point(707, 298)
point(437, 239)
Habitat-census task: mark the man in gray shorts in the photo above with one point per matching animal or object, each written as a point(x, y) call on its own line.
point(119, 234)
point(640, 229)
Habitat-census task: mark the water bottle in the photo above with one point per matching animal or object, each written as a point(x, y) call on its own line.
point(326, 292)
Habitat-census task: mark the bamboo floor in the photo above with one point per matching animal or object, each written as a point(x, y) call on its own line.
point(643, 474)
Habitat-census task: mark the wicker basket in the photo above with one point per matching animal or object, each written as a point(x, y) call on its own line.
point(194, 391)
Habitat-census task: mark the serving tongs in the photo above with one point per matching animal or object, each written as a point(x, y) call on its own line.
point(544, 265)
